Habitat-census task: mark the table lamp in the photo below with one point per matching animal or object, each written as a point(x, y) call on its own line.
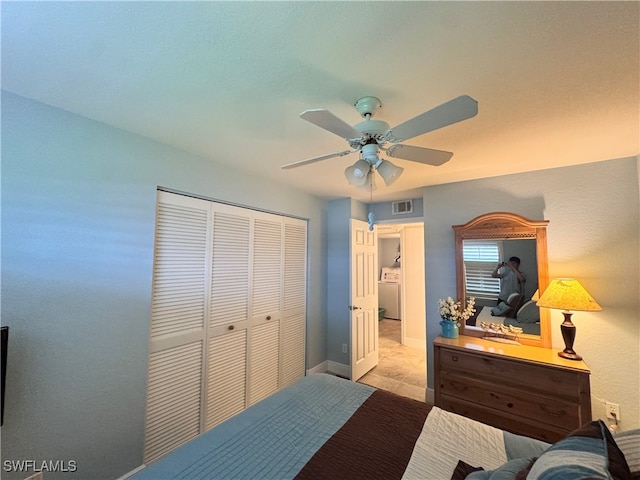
point(567, 294)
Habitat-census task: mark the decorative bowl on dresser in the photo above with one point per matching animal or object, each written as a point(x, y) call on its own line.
point(524, 389)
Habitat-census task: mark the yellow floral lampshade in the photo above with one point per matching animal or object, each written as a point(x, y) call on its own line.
point(568, 294)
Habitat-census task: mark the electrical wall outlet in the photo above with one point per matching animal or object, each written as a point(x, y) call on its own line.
point(612, 410)
point(344, 348)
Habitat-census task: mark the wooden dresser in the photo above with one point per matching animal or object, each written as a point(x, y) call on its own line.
point(522, 389)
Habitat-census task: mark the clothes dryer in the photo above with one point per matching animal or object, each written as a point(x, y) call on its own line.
point(389, 292)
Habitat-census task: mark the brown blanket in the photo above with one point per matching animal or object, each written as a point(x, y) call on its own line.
point(376, 442)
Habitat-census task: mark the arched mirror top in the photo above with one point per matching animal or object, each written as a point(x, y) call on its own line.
point(505, 227)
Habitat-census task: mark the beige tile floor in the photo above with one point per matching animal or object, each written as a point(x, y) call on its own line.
point(401, 369)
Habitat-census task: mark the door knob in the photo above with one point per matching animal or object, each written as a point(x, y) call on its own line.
point(353, 307)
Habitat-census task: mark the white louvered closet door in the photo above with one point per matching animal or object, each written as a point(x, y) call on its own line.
point(292, 351)
point(228, 314)
point(177, 323)
point(266, 295)
point(226, 376)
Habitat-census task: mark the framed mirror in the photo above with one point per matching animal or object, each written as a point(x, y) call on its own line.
point(484, 247)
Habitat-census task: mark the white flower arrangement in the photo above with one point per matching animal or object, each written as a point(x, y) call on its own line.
point(453, 311)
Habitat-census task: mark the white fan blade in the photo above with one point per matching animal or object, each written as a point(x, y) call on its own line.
point(448, 113)
point(419, 154)
point(327, 120)
point(317, 159)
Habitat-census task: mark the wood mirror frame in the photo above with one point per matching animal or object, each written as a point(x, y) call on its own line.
point(503, 225)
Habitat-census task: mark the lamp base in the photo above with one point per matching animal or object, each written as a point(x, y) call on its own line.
point(570, 355)
point(568, 335)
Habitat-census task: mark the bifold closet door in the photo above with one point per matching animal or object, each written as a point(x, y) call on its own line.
point(226, 376)
point(228, 314)
point(292, 325)
point(265, 307)
point(178, 312)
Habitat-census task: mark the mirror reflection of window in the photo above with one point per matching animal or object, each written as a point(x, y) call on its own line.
point(480, 258)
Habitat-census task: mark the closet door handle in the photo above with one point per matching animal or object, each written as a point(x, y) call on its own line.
point(231, 327)
point(268, 317)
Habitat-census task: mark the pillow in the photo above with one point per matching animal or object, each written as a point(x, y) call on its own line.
point(629, 444)
point(463, 470)
point(589, 452)
point(518, 446)
point(499, 309)
point(515, 302)
point(512, 297)
point(509, 308)
point(515, 469)
point(528, 313)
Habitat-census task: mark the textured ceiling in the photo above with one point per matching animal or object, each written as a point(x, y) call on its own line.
point(557, 82)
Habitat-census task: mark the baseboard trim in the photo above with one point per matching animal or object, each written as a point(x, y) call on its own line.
point(131, 473)
point(430, 396)
point(320, 368)
point(339, 369)
point(415, 343)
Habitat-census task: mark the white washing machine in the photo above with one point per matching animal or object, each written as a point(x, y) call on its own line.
point(389, 292)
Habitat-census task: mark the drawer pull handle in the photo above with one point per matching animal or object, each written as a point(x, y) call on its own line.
point(454, 358)
point(231, 327)
point(556, 414)
point(268, 317)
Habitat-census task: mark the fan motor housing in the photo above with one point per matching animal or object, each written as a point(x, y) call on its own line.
point(367, 106)
point(372, 127)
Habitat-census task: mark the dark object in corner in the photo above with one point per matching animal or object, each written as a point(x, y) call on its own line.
point(4, 333)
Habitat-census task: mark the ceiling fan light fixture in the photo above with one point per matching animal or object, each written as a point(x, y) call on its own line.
point(389, 172)
point(370, 153)
point(370, 137)
point(357, 173)
point(369, 184)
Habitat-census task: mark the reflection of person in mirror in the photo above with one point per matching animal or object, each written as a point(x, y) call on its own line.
point(511, 278)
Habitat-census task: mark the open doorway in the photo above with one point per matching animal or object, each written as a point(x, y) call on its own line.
point(402, 326)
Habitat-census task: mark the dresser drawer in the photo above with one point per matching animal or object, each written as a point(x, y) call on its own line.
point(511, 372)
point(545, 409)
point(522, 389)
point(503, 420)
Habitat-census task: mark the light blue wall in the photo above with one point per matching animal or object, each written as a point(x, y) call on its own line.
point(339, 214)
point(338, 267)
point(593, 235)
point(78, 207)
point(388, 251)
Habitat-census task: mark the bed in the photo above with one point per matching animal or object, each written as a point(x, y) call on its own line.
point(518, 314)
point(325, 427)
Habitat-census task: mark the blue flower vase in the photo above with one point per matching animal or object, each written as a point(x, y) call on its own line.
point(450, 329)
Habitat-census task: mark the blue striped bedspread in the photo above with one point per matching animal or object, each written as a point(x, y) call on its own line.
point(273, 439)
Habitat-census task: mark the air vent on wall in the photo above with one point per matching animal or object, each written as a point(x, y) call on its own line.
point(402, 207)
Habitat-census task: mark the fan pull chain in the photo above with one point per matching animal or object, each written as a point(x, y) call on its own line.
point(370, 216)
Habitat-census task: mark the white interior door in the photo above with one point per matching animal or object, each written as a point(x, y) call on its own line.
point(364, 299)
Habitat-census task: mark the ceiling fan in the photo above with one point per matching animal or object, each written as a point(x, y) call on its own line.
point(371, 136)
